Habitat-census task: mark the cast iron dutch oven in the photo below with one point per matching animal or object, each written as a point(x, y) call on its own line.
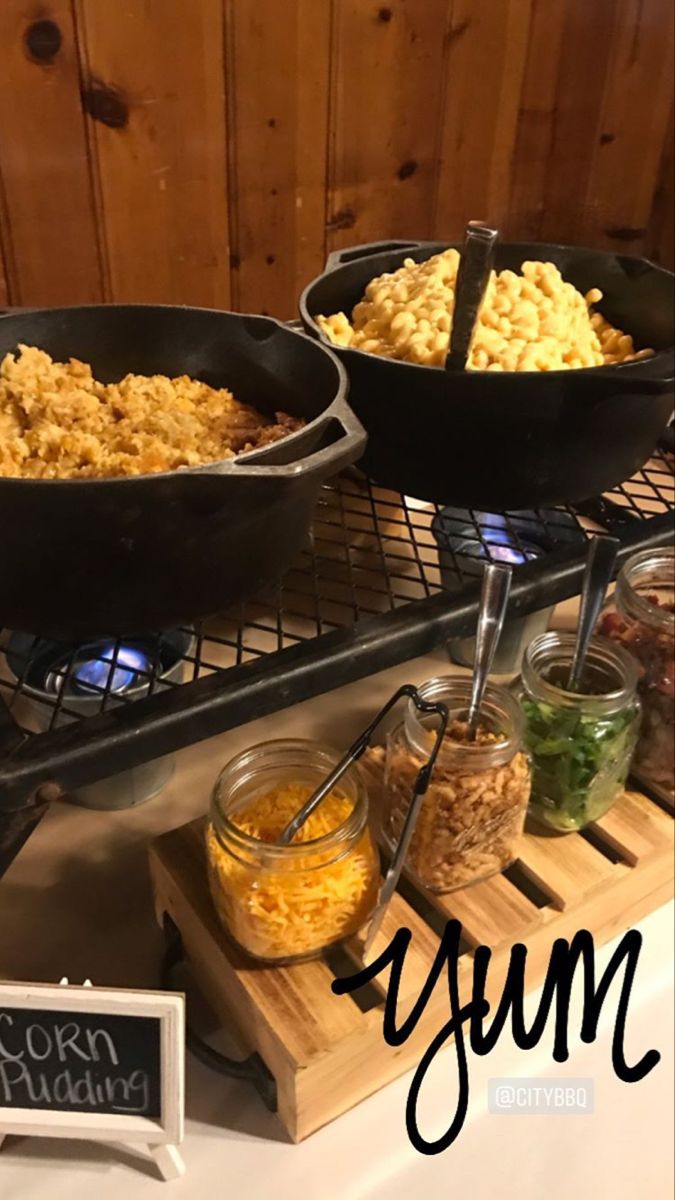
point(502, 440)
point(118, 556)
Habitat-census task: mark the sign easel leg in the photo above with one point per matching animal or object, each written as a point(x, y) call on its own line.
point(168, 1160)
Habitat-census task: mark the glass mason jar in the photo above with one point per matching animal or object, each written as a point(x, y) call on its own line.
point(641, 617)
point(282, 903)
point(473, 813)
point(581, 742)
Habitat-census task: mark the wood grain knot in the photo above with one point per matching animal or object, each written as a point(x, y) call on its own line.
point(625, 233)
point(271, 258)
point(106, 104)
point(42, 41)
point(407, 168)
point(384, 14)
point(455, 31)
point(606, 138)
point(345, 218)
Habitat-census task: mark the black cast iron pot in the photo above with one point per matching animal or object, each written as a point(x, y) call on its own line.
point(129, 555)
point(502, 440)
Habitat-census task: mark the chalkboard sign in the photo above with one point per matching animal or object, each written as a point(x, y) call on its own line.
point(92, 1062)
point(79, 1062)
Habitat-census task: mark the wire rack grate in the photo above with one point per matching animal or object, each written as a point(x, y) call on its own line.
point(370, 552)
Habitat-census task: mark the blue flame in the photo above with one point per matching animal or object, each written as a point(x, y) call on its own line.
point(111, 672)
point(502, 546)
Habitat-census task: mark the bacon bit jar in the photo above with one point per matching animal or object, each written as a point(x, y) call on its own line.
point(641, 618)
point(474, 810)
point(282, 903)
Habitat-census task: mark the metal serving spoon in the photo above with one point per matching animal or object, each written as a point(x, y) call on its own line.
point(493, 601)
point(472, 279)
point(600, 563)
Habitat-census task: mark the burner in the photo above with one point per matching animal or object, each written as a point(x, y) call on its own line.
point(100, 670)
point(63, 682)
point(467, 540)
point(506, 549)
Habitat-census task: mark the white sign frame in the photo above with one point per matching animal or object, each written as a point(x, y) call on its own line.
point(161, 1135)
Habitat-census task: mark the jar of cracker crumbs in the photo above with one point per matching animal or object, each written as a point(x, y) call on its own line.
point(474, 810)
point(279, 902)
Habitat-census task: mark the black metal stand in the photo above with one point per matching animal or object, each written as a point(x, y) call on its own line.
point(249, 1070)
point(343, 612)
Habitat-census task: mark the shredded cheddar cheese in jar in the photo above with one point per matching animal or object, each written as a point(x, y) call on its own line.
point(287, 902)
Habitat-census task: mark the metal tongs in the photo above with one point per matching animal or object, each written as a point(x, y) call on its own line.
point(421, 784)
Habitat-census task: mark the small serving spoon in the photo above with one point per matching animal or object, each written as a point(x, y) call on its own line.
point(600, 563)
point(475, 265)
point(494, 598)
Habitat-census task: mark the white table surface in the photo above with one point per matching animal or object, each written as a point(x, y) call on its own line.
point(77, 902)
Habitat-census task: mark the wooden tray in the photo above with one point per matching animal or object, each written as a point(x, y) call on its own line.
point(327, 1052)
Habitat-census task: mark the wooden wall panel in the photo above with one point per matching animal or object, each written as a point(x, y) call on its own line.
point(387, 89)
point(662, 226)
point(155, 97)
point(212, 151)
point(634, 123)
point(278, 71)
point(49, 230)
point(576, 128)
point(487, 49)
point(4, 288)
point(537, 119)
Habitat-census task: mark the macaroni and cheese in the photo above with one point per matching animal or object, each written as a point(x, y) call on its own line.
point(534, 321)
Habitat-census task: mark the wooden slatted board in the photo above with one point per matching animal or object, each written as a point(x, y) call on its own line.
point(327, 1052)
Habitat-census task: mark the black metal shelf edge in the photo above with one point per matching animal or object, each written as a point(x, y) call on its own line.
point(110, 742)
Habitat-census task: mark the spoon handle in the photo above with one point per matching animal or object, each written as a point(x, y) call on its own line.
point(600, 562)
point(494, 598)
point(472, 280)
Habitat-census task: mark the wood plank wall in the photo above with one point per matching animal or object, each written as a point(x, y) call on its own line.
point(213, 151)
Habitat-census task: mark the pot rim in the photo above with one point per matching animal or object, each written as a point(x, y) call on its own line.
point(435, 247)
point(250, 464)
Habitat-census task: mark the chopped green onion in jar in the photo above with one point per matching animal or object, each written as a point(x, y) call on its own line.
point(581, 742)
point(579, 762)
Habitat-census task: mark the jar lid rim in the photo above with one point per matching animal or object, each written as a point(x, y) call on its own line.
point(496, 696)
point(636, 565)
point(600, 648)
point(294, 849)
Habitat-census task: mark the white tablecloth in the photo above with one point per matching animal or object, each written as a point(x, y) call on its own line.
point(77, 902)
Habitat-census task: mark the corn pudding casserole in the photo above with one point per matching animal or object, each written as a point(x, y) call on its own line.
point(58, 422)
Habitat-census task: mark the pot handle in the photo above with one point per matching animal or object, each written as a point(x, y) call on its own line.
point(650, 375)
point(346, 447)
point(338, 258)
